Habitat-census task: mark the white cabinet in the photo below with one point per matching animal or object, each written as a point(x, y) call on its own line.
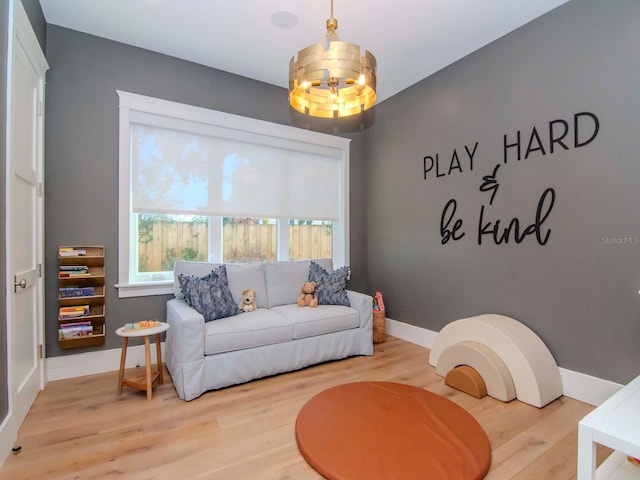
point(614, 424)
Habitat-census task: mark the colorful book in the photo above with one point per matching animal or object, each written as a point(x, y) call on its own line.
point(71, 252)
point(75, 325)
point(74, 268)
point(74, 311)
point(66, 292)
point(68, 333)
point(72, 328)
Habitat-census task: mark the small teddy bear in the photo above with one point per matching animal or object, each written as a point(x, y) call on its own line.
point(248, 302)
point(307, 297)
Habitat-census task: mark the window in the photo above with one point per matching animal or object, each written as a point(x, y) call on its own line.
point(202, 185)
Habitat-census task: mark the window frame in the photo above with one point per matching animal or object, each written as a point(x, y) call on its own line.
point(328, 145)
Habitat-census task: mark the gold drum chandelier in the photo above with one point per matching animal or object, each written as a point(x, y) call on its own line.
point(331, 79)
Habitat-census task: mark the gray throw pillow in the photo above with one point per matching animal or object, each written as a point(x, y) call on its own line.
point(209, 295)
point(331, 288)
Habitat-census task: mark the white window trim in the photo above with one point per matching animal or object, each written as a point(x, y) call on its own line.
point(314, 141)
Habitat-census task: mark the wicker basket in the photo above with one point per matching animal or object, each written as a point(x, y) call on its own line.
point(379, 334)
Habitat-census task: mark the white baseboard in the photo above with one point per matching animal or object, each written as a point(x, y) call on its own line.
point(585, 388)
point(410, 333)
point(91, 363)
point(588, 389)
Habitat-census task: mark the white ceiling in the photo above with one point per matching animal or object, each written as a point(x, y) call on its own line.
point(411, 39)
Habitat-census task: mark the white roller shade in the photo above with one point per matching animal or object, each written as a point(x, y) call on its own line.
point(174, 170)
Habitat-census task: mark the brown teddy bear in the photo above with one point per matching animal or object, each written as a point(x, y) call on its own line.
point(307, 297)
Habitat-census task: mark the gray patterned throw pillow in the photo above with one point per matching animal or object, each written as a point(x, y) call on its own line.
point(331, 288)
point(209, 295)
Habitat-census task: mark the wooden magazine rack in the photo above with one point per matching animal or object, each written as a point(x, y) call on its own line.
point(93, 258)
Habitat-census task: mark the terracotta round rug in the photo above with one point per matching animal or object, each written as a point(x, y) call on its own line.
point(387, 431)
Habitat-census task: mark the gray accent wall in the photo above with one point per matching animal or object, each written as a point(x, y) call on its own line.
point(578, 287)
point(551, 238)
point(81, 153)
point(37, 20)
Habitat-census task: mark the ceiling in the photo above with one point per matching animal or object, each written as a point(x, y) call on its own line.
point(411, 39)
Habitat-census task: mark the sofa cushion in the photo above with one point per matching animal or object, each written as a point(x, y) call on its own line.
point(309, 322)
point(252, 329)
point(241, 276)
point(331, 288)
point(248, 275)
point(285, 278)
point(209, 295)
point(184, 267)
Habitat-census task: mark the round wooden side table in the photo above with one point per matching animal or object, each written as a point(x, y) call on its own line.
point(147, 381)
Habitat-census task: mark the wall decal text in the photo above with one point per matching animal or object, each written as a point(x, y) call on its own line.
point(555, 137)
point(557, 133)
point(429, 162)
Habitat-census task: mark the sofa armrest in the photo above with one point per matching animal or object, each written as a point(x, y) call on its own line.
point(185, 337)
point(364, 304)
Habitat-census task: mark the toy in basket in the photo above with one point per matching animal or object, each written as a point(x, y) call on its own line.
point(379, 334)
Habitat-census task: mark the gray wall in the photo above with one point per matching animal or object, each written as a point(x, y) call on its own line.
point(579, 291)
point(37, 20)
point(81, 152)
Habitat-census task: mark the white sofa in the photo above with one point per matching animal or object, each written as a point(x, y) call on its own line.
point(277, 337)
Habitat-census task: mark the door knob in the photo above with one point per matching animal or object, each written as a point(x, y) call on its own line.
point(22, 284)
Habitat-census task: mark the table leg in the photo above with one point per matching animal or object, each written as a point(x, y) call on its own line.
point(123, 357)
point(586, 454)
point(159, 359)
point(147, 359)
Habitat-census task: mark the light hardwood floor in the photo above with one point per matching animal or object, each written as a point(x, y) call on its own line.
point(80, 429)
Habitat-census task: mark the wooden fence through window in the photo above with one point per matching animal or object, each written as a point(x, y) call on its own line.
point(165, 242)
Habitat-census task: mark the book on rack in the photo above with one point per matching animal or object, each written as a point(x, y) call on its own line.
point(73, 274)
point(74, 268)
point(75, 325)
point(66, 292)
point(73, 312)
point(71, 252)
point(83, 329)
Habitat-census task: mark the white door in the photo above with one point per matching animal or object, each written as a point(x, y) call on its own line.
point(25, 93)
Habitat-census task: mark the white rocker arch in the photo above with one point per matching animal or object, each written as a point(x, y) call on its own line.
point(483, 360)
point(529, 362)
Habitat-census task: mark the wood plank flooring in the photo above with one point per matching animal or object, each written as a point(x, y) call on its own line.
point(79, 429)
